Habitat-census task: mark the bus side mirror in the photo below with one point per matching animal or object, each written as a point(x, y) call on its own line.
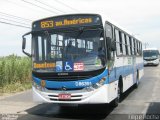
point(24, 43)
point(111, 44)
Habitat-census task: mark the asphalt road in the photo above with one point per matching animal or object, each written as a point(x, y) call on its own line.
point(136, 104)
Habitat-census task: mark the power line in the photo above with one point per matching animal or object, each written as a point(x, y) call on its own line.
point(39, 6)
point(13, 21)
point(14, 24)
point(15, 16)
point(52, 7)
point(67, 5)
point(23, 6)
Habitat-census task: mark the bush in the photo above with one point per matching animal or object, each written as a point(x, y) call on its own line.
point(14, 69)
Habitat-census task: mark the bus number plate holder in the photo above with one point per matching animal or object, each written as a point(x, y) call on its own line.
point(64, 96)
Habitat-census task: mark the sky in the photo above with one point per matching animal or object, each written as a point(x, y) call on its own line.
point(140, 17)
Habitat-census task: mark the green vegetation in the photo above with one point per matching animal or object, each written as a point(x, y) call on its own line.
point(15, 73)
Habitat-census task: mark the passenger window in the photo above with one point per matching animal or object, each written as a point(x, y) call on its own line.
point(135, 48)
point(128, 45)
point(133, 53)
point(123, 43)
point(117, 42)
point(120, 43)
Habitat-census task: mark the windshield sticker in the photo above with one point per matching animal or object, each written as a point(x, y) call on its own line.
point(44, 65)
point(59, 66)
point(98, 62)
point(68, 66)
point(78, 66)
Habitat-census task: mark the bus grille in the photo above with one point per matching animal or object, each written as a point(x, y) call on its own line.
point(150, 59)
point(65, 100)
point(66, 78)
point(66, 89)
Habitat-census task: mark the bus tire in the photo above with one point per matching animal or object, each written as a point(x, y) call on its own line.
point(137, 80)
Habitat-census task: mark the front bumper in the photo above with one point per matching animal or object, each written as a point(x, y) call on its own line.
point(99, 95)
point(153, 62)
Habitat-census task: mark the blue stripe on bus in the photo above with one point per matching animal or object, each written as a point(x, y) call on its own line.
point(73, 84)
point(124, 71)
point(114, 75)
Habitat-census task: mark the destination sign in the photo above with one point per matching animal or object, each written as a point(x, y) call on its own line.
point(67, 21)
point(43, 65)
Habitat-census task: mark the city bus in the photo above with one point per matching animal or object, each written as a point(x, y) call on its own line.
point(78, 59)
point(151, 56)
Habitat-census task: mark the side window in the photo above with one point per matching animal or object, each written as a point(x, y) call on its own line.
point(120, 42)
point(128, 45)
point(141, 49)
point(133, 53)
point(117, 42)
point(123, 44)
point(135, 47)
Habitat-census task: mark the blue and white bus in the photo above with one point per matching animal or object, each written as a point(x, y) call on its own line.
point(151, 56)
point(78, 59)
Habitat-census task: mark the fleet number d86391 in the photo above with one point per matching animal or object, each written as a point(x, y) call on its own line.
point(83, 83)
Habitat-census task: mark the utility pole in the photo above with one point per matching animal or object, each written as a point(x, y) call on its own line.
point(145, 45)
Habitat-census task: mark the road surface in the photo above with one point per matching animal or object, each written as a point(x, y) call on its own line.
point(141, 101)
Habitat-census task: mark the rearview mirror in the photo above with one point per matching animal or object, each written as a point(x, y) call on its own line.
point(24, 43)
point(111, 44)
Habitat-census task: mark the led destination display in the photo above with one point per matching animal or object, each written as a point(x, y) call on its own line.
point(66, 21)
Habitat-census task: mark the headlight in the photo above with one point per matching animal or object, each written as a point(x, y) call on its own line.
point(38, 87)
point(99, 84)
point(96, 85)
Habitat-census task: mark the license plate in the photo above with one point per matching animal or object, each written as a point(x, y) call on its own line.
point(64, 96)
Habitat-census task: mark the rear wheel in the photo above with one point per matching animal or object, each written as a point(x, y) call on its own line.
point(137, 79)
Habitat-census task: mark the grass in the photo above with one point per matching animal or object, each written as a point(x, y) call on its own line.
point(15, 74)
point(16, 87)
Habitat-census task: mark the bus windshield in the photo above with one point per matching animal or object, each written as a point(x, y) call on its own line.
point(68, 51)
point(150, 53)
